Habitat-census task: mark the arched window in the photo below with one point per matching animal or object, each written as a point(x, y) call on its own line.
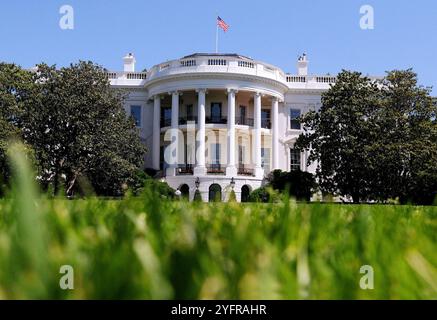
point(245, 193)
point(215, 193)
point(185, 191)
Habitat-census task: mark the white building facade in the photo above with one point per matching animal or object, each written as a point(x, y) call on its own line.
point(220, 122)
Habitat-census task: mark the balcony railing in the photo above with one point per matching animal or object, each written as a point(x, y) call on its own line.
point(126, 75)
point(186, 169)
point(215, 169)
point(243, 121)
point(185, 120)
point(266, 123)
point(219, 120)
point(245, 170)
point(217, 63)
point(165, 123)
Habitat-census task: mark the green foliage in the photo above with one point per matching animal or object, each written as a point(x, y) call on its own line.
point(15, 83)
point(162, 189)
point(232, 196)
point(340, 134)
point(407, 148)
point(264, 194)
point(76, 124)
point(8, 136)
point(143, 182)
point(197, 196)
point(300, 185)
point(151, 248)
point(374, 141)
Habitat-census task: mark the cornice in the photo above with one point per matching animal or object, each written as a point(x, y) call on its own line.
point(218, 75)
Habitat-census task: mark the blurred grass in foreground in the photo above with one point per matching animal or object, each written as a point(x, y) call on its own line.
point(150, 248)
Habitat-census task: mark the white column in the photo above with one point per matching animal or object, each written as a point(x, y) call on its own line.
point(259, 172)
point(156, 132)
point(200, 154)
point(275, 136)
point(231, 169)
point(171, 171)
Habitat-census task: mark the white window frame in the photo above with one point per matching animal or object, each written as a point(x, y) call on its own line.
point(289, 160)
point(289, 118)
point(141, 114)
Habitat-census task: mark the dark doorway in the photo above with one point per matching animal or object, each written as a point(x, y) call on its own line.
point(245, 193)
point(185, 191)
point(216, 112)
point(215, 193)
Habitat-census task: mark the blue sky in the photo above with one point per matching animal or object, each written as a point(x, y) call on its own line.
point(274, 31)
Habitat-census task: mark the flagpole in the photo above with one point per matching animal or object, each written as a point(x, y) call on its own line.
point(216, 36)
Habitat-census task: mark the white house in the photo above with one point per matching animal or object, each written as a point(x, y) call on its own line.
point(213, 122)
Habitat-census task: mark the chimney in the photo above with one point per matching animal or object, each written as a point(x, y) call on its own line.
point(302, 65)
point(129, 63)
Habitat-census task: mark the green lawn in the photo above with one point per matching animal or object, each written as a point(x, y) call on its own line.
point(148, 248)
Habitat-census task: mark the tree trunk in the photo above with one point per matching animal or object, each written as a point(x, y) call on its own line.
point(71, 184)
point(356, 198)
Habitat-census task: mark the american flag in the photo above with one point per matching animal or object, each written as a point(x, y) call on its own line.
point(222, 24)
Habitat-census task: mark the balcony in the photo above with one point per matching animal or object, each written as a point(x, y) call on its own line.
point(216, 169)
point(185, 120)
point(244, 121)
point(219, 63)
point(245, 171)
point(165, 123)
point(266, 124)
point(184, 170)
point(217, 120)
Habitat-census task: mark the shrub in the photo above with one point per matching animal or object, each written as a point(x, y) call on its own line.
point(264, 194)
point(300, 185)
point(197, 196)
point(145, 182)
point(232, 196)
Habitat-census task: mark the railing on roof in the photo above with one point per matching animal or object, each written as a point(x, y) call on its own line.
point(127, 75)
point(305, 79)
point(212, 63)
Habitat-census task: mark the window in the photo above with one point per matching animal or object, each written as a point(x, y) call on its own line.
point(265, 118)
point(165, 117)
point(135, 112)
point(294, 159)
point(216, 111)
point(241, 150)
point(294, 119)
point(162, 164)
point(215, 153)
point(242, 115)
point(265, 159)
point(189, 112)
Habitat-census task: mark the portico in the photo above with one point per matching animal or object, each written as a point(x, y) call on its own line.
point(224, 116)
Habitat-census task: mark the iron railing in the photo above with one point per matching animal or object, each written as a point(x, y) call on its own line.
point(215, 169)
point(266, 123)
point(245, 170)
point(243, 121)
point(219, 120)
point(186, 169)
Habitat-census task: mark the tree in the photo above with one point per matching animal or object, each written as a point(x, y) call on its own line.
point(300, 185)
point(406, 150)
point(341, 134)
point(15, 87)
point(375, 140)
point(79, 130)
point(7, 132)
